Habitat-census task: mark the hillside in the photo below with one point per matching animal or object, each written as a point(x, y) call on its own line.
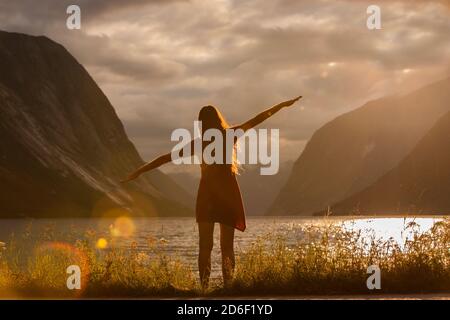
point(62, 147)
point(352, 151)
point(419, 184)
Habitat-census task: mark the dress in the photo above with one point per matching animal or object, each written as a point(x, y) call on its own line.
point(219, 197)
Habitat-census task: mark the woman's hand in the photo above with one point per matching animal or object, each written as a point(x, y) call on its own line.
point(289, 102)
point(131, 177)
point(265, 114)
point(165, 158)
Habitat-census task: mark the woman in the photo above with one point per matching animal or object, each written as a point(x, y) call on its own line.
point(219, 198)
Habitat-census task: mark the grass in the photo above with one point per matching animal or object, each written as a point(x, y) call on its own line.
point(328, 260)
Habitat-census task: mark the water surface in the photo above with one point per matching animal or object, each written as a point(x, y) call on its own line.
point(178, 237)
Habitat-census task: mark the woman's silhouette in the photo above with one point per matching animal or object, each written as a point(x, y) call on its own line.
point(219, 198)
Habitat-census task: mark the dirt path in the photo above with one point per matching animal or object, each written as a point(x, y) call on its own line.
point(424, 296)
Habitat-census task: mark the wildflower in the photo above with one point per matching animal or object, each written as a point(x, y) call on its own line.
point(142, 258)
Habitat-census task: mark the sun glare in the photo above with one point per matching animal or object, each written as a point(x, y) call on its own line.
point(101, 243)
point(122, 227)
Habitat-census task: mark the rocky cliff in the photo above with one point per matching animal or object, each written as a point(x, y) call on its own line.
point(62, 147)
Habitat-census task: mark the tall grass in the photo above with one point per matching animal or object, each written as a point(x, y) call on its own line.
point(335, 261)
point(327, 260)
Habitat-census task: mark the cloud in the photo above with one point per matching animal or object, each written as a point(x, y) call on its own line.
point(160, 61)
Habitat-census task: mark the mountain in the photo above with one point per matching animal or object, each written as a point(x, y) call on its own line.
point(352, 151)
point(259, 191)
point(62, 147)
point(419, 184)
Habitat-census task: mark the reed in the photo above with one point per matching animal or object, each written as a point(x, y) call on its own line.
point(326, 260)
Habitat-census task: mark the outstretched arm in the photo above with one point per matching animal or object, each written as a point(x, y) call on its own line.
point(148, 166)
point(165, 158)
point(266, 114)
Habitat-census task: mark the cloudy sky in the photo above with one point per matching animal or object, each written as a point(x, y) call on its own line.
point(159, 61)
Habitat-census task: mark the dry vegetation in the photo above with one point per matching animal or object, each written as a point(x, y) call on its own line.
point(329, 260)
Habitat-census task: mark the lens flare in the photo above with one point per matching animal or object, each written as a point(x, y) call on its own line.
point(122, 227)
point(67, 254)
point(102, 243)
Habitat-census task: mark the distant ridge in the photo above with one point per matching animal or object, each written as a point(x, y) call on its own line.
point(354, 150)
point(420, 184)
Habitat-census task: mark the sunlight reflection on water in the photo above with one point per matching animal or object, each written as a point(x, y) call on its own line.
point(178, 236)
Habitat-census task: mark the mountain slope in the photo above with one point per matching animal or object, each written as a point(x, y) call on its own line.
point(259, 191)
point(62, 146)
point(354, 150)
point(419, 184)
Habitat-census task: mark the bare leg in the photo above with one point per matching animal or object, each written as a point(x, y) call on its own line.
point(206, 232)
point(227, 249)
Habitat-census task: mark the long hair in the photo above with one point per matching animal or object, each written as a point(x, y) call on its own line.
point(211, 118)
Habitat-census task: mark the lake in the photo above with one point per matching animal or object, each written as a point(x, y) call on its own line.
point(178, 236)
